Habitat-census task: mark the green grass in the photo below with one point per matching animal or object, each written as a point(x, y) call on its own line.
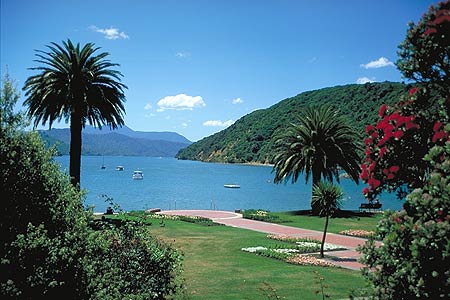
point(216, 268)
point(337, 224)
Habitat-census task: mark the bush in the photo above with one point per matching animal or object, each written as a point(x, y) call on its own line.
point(261, 215)
point(48, 250)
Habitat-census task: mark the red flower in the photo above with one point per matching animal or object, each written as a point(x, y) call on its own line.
point(412, 91)
point(382, 152)
point(374, 183)
point(430, 31)
point(440, 19)
point(398, 134)
point(390, 176)
point(365, 191)
point(438, 136)
point(382, 110)
point(369, 129)
point(394, 169)
point(437, 126)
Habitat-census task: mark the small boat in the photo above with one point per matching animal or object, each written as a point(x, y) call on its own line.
point(232, 186)
point(103, 163)
point(138, 175)
point(119, 168)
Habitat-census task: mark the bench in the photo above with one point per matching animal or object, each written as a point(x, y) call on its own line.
point(370, 206)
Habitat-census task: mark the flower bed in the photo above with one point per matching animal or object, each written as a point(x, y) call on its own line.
point(292, 250)
point(261, 215)
point(309, 245)
point(358, 233)
point(308, 260)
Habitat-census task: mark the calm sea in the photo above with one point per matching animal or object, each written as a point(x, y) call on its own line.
point(178, 184)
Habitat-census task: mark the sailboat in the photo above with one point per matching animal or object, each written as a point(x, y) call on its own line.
point(103, 162)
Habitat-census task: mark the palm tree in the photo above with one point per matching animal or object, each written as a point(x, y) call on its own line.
point(76, 84)
point(320, 144)
point(327, 197)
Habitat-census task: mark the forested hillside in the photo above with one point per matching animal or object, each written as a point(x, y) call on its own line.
point(252, 137)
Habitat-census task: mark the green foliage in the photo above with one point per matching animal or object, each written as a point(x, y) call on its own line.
point(416, 251)
point(124, 262)
point(261, 215)
point(326, 197)
point(8, 99)
point(252, 137)
point(414, 260)
point(48, 249)
point(424, 54)
point(396, 145)
point(319, 144)
point(77, 85)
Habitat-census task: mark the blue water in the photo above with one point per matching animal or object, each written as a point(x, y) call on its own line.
point(178, 184)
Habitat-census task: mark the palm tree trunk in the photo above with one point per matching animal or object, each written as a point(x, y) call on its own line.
point(324, 236)
point(315, 181)
point(75, 149)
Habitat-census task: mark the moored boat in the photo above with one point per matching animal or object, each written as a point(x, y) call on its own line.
point(138, 175)
point(232, 186)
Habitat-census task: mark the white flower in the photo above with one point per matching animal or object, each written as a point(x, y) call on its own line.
point(287, 251)
point(254, 249)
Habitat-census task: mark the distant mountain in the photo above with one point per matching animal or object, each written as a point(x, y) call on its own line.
point(118, 142)
point(150, 135)
point(252, 137)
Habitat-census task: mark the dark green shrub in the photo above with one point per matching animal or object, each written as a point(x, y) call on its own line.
point(49, 251)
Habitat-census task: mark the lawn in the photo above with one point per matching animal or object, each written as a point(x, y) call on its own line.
point(216, 268)
point(345, 221)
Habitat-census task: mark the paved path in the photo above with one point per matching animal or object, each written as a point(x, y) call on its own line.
point(346, 258)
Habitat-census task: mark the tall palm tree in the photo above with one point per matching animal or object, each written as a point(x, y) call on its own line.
point(76, 84)
point(320, 144)
point(327, 197)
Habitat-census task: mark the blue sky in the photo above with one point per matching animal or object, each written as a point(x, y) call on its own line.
point(195, 67)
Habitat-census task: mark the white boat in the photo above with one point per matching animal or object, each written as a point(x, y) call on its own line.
point(119, 168)
point(232, 186)
point(138, 175)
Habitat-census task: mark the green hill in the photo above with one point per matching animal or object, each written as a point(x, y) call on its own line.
point(251, 138)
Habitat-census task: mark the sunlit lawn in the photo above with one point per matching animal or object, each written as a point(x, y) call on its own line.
point(216, 268)
point(337, 224)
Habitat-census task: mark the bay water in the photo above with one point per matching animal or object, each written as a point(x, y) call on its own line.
point(180, 184)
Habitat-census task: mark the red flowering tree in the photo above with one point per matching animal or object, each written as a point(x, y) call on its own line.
point(410, 146)
point(396, 145)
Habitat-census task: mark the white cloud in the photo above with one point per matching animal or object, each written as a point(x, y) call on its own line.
point(148, 106)
point(180, 102)
point(218, 123)
point(237, 101)
point(110, 33)
point(184, 125)
point(363, 80)
point(182, 54)
point(379, 63)
point(312, 60)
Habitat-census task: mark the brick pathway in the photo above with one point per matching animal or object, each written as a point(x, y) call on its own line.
point(346, 259)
